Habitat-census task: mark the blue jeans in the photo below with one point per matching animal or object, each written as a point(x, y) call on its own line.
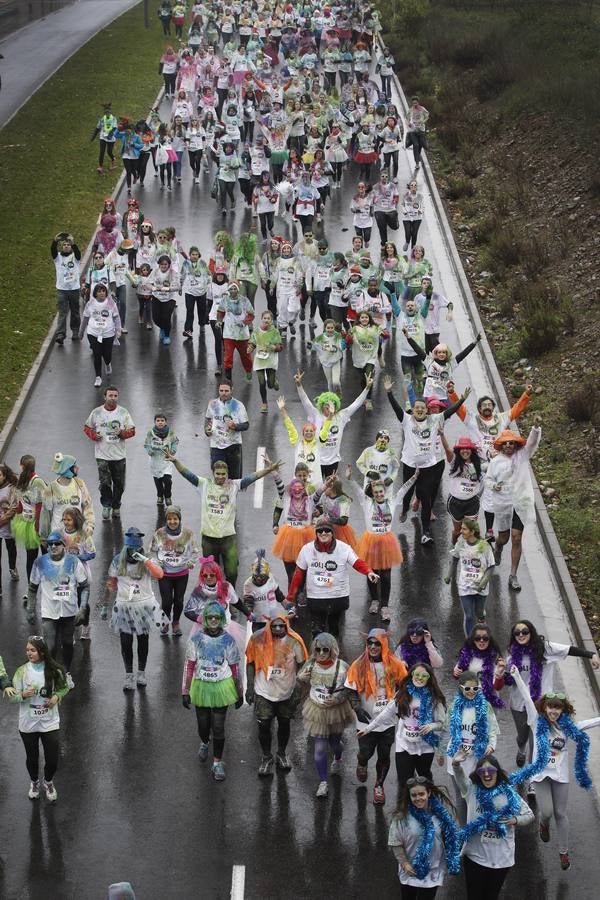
point(474, 610)
point(177, 164)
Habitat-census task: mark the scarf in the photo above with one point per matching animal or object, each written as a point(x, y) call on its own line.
point(437, 810)
point(459, 706)
point(542, 735)
point(423, 695)
point(486, 676)
point(161, 432)
point(414, 653)
point(535, 668)
point(490, 816)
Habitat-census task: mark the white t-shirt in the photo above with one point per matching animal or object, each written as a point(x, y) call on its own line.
point(108, 423)
point(465, 485)
point(222, 413)
point(408, 833)
point(279, 681)
point(33, 714)
point(473, 562)
point(487, 847)
point(68, 272)
point(419, 440)
point(327, 574)
point(375, 703)
point(553, 654)
point(58, 600)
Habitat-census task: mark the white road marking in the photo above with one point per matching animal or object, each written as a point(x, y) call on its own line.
point(259, 486)
point(238, 882)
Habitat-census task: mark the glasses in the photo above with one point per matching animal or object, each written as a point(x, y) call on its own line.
point(521, 632)
point(553, 695)
point(470, 690)
point(481, 637)
point(55, 543)
point(323, 531)
point(416, 632)
point(424, 676)
point(486, 770)
point(418, 779)
point(373, 643)
point(321, 649)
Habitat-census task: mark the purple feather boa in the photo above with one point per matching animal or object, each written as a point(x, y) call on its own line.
point(414, 653)
point(535, 668)
point(486, 676)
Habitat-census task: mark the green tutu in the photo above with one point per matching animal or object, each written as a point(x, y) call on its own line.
point(278, 157)
point(24, 533)
point(213, 693)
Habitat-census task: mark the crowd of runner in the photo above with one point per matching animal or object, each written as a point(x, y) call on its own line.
point(277, 106)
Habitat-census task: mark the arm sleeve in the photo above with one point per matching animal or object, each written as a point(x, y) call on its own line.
point(292, 431)
point(296, 582)
point(519, 408)
point(462, 782)
point(533, 442)
point(580, 651)
point(361, 566)
point(461, 412)
point(385, 719)
point(309, 409)
point(417, 348)
point(461, 355)
point(396, 406)
point(452, 409)
point(525, 814)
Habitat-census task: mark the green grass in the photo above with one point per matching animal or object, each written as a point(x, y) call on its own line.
point(48, 179)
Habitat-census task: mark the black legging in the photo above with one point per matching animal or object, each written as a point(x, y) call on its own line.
point(326, 613)
point(202, 307)
point(11, 550)
point(218, 340)
point(131, 170)
point(31, 740)
point(321, 300)
point(30, 558)
point(384, 221)
point(163, 487)
point(266, 377)
point(411, 230)
point(483, 883)
point(267, 220)
point(409, 763)
point(106, 147)
point(212, 720)
point(265, 727)
point(143, 164)
point(161, 314)
point(101, 350)
point(271, 295)
point(390, 161)
point(127, 651)
point(364, 233)
point(168, 168)
point(382, 742)
point(381, 591)
point(338, 168)
point(411, 892)
point(225, 191)
point(426, 488)
point(172, 592)
point(290, 568)
point(195, 161)
point(170, 80)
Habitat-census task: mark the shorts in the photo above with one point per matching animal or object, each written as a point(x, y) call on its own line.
point(505, 521)
point(463, 509)
point(270, 709)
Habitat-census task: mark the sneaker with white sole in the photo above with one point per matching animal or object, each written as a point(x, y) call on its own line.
point(86, 633)
point(106, 513)
point(374, 607)
point(282, 761)
point(385, 613)
point(14, 575)
point(426, 538)
point(218, 770)
point(34, 790)
point(336, 766)
point(141, 679)
point(97, 381)
point(203, 752)
point(116, 513)
point(266, 766)
point(128, 684)
point(70, 682)
point(51, 794)
point(323, 789)
point(513, 583)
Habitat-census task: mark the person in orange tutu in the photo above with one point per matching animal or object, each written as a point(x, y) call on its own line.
point(331, 501)
point(378, 545)
point(292, 517)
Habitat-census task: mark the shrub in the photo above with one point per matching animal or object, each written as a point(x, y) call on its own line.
point(537, 254)
point(494, 78)
point(458, 186)
point(583, 403)
point(505, 247)
point(541, 318)
point(450, 136)
point(487, 226)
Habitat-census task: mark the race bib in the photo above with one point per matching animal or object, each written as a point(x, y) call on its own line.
point(323, 580)
point(209, 673)
point(61, 594)
point(489, 835)
point(274, 672)
point(262, 354)
point(173, 559)
point(323, 696)
point(380, 704)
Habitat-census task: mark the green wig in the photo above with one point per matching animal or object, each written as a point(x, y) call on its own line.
point(328, 397)
point(224, 238)
point(246, 248)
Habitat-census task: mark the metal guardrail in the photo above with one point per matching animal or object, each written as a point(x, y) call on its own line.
point(548, 536)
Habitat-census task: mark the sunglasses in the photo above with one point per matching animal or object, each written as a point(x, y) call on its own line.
point(553, 695)
point(481, 637)
point(521, 632)
point(35, 637)
point(486, 770)
point(470, 690)
point(423, 675)
point(321, 649)
point(373, 643)
point(55, 543)
point(323, 531)
point(416, 632)
point(418, 779)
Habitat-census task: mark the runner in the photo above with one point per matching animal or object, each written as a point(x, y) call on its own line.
point(174, 547)
point(262, 594)
point(225, 420)
point(109, 426)
point(8, 509)
point(159, 439)
point(473, 562)
point(481, 655)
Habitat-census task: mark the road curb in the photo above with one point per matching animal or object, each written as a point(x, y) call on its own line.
point(548, 536)
point(11, 426)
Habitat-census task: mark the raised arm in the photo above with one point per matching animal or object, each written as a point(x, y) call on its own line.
point(455, 406)
point(465, 352)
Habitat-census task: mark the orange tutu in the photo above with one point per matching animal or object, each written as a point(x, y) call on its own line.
point(380, 551)
point(346, 533)
point(290, 540)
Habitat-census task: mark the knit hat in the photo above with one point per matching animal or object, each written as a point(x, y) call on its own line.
point(63, 464)
point(173, 510)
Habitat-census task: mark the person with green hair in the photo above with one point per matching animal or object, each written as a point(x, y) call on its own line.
point(330, 420)
point(222, 253)
point(245, 265)
point(212, 681)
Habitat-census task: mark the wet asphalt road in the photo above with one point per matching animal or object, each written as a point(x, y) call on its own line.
point(134, 802)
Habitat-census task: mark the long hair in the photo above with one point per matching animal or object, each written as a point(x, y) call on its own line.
point(492, 645)
point(28, 463)
point(403, 698)
point(401, 810)
point(537, 641)
point(458, 463)
point(77, 516)
point(54, 674)
point(9, 475)
point(502, 776)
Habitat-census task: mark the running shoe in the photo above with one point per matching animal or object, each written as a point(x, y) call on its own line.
point(266, 766)
point(166, 340)
point(34, 790)
point(521, 757)
point(302, 314)
point(109, 369)
point(85, 633)
point(565, 862)
point(264, 408)
point(124, 330)
point(426, 538)
point(51, 794)
point(69, 680)
point(323, 789)
point(498, 554)
point(378, 795)
point(336, 766)
point(176, 629)
point(116, 512)
point(544, 832)
point(292, 329)
point(97, 381)
point(128, 684)
point(282, 761)
point(188, 334)
point(374, 607)
point(14, 575)
point(513, 583)
point(203, 752)
point(362, 773)
point(160, 501)
point(218, 770)
point(141, 678)
point(385, 613)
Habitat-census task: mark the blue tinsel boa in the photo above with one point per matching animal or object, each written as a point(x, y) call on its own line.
point(420, 862)
point(423, 695)
point(489, 818)
point(582, 751)
point(481, 724)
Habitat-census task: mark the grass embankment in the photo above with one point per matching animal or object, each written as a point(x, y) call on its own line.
point(48, 179)
point(514, 99)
